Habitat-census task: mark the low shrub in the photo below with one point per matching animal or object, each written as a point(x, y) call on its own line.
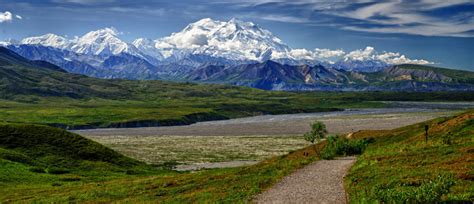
point(341, 146)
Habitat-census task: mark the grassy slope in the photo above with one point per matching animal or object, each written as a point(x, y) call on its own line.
point(401, 167)
point(95, 173)
point(46, 157)
point(46, 144)
point(163, 101)
point(457, 75)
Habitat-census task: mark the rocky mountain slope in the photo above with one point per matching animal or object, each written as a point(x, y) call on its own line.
point(271, 75)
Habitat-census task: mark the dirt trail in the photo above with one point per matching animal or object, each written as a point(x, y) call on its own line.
point(320, 182)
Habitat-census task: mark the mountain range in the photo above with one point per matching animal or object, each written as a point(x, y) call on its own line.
point(233, 52)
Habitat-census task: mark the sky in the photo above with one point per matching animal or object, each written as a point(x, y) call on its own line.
point(439, 31)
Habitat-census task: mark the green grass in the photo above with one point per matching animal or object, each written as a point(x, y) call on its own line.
point(172, 105)
point(46, 157)
point(53, 146)
point(401, 167)
point(167, 108)
point(44, 164)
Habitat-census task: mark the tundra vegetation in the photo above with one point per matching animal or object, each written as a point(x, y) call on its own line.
point(400, 166)
point(396, 166)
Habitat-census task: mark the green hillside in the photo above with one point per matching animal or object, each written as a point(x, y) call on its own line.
point(401, 167)
point(44, 146)
point(45, 157)
point(457, 75)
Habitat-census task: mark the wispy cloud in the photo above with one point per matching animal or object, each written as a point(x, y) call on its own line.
point(417, 17)
point(83, 2)
point(453, 18)
point(410, 18)
point(283, 18)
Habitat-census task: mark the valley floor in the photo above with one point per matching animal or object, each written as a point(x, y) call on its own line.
point(247, 139)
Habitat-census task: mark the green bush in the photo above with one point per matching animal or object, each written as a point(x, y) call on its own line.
point(318, 132)
point(342, 146)
point(328, 153)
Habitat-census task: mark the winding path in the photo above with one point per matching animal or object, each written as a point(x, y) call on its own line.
point(319, 182)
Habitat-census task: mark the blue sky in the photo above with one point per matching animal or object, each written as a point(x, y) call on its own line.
point(439, 31)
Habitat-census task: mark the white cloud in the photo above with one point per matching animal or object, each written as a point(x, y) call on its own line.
point(397, 58)
point(83, 2)
point(327, 53)
point(441, 29)
point(316, 54)
point(369, 53)
point(409, 18)
point(18, 17)
point(361, 55)
point(301, 54)
point(283, 18)
point(434, 4)
point(5, 16)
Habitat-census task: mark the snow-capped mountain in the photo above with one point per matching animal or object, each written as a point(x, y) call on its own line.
point(102, 42)
point(234, 40)
point(207, 42)
point(48, 40)
point(147, 47)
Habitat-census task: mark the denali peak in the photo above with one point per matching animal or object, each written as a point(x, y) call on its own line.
point(235, 40)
